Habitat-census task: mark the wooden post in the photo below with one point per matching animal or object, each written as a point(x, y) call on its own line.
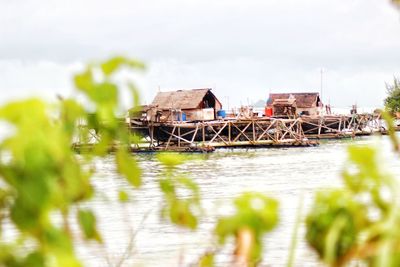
point(320, 126)
point(179, 135)
point(254, 132)
point(151, 135)
point(195, 133)
point(170, 137)
point(203, 133)
point(229, 131)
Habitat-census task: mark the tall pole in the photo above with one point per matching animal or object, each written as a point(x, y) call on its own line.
point(322, 73)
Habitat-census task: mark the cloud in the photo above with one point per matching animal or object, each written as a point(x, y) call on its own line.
point(243, 50)
point(22, 79)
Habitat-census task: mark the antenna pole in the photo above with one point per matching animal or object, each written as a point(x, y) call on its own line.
point(322, 73)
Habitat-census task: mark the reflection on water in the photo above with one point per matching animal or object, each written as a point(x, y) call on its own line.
point(286, 174)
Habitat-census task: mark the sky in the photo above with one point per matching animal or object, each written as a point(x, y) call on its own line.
point(244, 50)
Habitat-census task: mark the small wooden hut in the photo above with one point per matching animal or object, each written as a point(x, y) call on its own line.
point(190, 105)
point(305, 103)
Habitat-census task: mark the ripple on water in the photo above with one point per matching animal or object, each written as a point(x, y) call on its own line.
point(286, 174)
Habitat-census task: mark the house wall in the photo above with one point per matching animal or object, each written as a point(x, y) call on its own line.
point(280, 110)
point(311, 111)
point(191, 115)
point(205, 114)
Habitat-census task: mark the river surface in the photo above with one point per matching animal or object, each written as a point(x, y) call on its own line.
point(135, 235)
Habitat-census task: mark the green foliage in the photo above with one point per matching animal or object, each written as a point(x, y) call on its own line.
point(207, 260)
point(359, 221)
point(42, 178)
point(170, 160)
point(41, 175)
point(334, 223)
point(123, 196)
point(392, 102)
point(127, 166)
point(87, 222)
point(113, 64)
point(97, 83)
point(256, 213)
point(181, 209)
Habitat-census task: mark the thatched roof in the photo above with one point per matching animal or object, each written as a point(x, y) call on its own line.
point(303, 100)
point(183, 99)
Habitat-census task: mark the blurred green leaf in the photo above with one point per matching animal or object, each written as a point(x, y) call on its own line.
point(71, 112)
point(105, 94)
point(340, 227)
point(254, 211)
point(87, 222)
point(60, 246)
point(42, 176)
point(110, 66)
point(127, 166)
point(181, 210)
point(170, 160)
point(123, 196)
point(334, 223)
point(167, 187)
point(207, 260)
point(181, 214)
point(84, 81)
point(34, 259)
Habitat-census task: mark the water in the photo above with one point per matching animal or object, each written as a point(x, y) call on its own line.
point(286, 174)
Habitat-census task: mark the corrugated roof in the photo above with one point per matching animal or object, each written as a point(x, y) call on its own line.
point(183, 99)
point(303, 100)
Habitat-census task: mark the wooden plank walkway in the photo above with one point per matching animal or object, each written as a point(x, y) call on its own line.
point(206, 136)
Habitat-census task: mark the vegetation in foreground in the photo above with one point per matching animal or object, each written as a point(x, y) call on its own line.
point(42, 178)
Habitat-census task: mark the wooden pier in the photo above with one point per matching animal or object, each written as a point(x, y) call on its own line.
point(206, 136)
point(257, 132)
point(342, 126)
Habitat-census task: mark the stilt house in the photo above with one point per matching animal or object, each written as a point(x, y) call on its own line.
point(300, 103)
point(190, 105)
